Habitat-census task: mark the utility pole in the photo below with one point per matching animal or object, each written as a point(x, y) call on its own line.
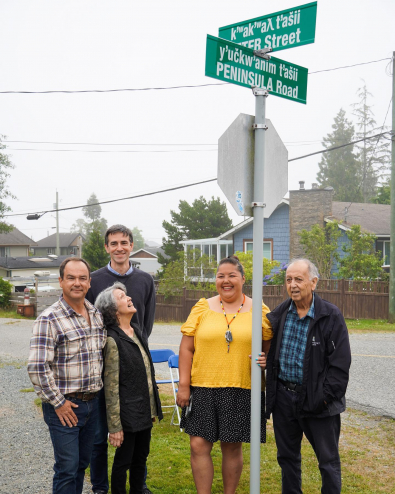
point(57, 225)
point(391, 307)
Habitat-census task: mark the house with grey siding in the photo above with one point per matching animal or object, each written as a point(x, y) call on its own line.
point(15, 244)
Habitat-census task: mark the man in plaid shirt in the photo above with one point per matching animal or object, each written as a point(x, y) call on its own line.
point(307, 375)
point(65, 367)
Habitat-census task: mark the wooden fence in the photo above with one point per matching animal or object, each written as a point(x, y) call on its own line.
point(355, 299)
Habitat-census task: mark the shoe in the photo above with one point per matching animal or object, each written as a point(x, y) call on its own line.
point(146, 490)
point(100, 492)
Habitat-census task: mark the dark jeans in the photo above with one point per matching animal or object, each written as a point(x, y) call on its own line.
point(72, 445)
point(322, 433)
point(132, 455)
point(99, 463)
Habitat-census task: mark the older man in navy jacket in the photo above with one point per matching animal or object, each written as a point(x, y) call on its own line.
point(307, 375)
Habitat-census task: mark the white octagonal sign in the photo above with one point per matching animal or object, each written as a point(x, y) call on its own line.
point(236, 166)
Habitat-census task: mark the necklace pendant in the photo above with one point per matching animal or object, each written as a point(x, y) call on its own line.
point(228, 337)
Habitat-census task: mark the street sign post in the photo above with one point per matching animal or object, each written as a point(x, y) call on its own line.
point(278, 31)
point(241, 58)
point(235, 174)
point(237, 64)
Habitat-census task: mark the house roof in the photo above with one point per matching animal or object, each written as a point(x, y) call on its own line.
point(373, 218)
point(16, 237)
point(65, 240)
point(227, 235)
point(151, 250)
point(28, 263)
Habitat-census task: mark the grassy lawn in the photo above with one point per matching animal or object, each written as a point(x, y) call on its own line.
point(370, 326)
point(367, 446)
point(12, 314)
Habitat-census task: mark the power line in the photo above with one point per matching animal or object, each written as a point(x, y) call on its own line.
point(181, 150)
point(63, 91)
point(339, 147)
point(117, 200)
point(186, 185)
point(110, 143)
point(113, 151)
point(349, 66)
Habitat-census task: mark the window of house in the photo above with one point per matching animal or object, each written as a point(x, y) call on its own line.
point(4, 251)
point(51, 250)
point(267, 248)
point(383, 246)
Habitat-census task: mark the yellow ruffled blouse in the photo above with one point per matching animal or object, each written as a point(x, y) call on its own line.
point(213, 366)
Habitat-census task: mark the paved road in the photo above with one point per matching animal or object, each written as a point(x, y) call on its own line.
point(372, 378)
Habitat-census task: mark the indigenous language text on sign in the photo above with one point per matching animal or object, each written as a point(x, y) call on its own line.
point(236, 64)
point(278, 31)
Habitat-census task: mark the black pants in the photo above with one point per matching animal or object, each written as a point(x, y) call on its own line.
point(131, 455)
point(322, 433)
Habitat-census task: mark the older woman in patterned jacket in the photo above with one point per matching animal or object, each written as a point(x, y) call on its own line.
point(132, 398)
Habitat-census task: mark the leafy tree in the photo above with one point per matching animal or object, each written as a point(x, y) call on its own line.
point(5, 293)
point(383, 194)
point(201, 219)
point(374, 154)
point(93, 249)
point(185, 271)
point(361, 262)
point(245, 259)
point(138, 239)
point(339, 168)
point(320, 246)
point(92, 213)
point(5, 165)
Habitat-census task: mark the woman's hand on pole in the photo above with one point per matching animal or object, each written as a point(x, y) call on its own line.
point(261, 360)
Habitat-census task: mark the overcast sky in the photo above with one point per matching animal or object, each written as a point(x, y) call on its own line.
point(74, 45)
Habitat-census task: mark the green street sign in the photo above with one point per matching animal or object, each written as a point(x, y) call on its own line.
point(278, 31)
point(237, 64)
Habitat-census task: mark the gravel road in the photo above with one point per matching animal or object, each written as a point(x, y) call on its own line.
point(25, 447)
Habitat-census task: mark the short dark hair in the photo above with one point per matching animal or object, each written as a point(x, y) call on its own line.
point(77, 259)
point(118, 229)
point(232, 260)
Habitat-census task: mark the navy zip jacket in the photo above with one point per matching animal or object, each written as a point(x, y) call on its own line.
point(326, 364)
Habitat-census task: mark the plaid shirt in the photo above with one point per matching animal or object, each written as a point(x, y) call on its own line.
point(293, 344)
point(65, 353)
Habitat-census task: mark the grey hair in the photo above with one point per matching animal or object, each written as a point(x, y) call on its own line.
point(107, 303)
point(312, 268)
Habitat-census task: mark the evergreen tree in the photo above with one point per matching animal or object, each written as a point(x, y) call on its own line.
point(93, 249)
point(373, 154)
point(5, 165)
point(201, 219)
point(138, 239)
point(339, 168)
point(383, 193)
point(92, 213)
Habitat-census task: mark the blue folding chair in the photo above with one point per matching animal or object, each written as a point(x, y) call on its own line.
point(162, 356)
point(173, 364)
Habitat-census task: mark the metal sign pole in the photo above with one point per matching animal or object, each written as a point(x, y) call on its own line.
point(257, 276)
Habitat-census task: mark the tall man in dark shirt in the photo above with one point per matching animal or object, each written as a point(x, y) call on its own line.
point(307, 376)
point(140, 287)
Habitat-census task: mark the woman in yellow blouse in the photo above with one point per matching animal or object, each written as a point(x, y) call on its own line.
point(215, 371)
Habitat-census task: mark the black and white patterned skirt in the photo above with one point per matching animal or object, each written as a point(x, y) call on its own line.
point(222, 414)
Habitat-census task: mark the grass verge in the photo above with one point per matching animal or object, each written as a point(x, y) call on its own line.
point(12, 314)
point(370, 326)
point(367, 448)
